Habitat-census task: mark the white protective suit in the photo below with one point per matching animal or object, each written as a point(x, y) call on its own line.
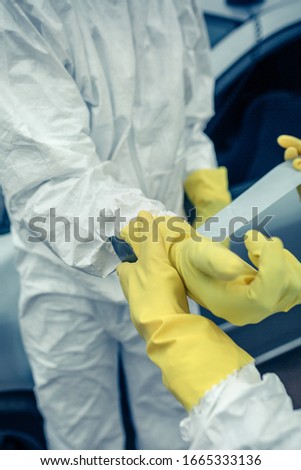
point(102, 106)
point(243, 412)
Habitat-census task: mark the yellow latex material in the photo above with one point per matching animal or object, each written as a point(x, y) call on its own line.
point(206, 268)
point(283, 290)
point(292, 146)
point(222, 282)
point(208, 191)
point(191, 351)
point(248, 297)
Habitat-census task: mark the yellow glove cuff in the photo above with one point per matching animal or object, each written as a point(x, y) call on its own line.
point(208, 192)
point(194, 355)
point(207, 185)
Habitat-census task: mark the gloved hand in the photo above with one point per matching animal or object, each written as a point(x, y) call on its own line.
point(191, 351)
point(222, 282)
point(208, 191)
point(245, 297)
point(292, 146)
point(283, 289)
point(203, 265)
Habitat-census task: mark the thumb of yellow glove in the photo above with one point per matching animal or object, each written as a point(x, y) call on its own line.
point(279, 271)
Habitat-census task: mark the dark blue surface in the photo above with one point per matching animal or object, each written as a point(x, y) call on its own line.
point(4, 220)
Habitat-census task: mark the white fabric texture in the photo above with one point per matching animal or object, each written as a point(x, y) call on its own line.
point(244, 412)
point(102, 107)
point(73, 344)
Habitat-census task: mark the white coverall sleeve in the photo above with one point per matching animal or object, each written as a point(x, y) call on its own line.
point(244, 412)
point(199, 88)
point(47, 157)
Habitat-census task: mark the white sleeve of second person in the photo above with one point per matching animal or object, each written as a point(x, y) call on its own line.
point(48, 159)
point(244, 412)
point(199, 88)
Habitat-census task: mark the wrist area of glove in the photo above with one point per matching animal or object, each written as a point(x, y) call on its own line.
point(175, 231)
point(150, 312)
point(176, 257)
point(194, 355)
point(204, 187)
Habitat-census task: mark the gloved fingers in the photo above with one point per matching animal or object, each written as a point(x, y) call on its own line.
point(290, 153)
point(138, 231)
point(267, 287)
point(173, 229)
point(254, 242)
point(286, 141)
point(216, 261)
point(292, 146)
point(297, 164)
point(150, 243)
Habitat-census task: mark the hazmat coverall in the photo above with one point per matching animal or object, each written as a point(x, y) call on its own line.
point(102, 106)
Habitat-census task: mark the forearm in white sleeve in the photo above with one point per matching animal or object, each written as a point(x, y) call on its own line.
point(199, 89)
point(244, 412)
point(48, 159)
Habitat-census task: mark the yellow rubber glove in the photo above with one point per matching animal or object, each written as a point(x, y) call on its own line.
point(222, 282)
point(204, 266)
point(292, 146)
point(283, 289)
point(246, 298)
point(230, 288)
point(191, 351)
point(208, 191)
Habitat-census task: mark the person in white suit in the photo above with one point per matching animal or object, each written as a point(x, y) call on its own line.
point(102, 109)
